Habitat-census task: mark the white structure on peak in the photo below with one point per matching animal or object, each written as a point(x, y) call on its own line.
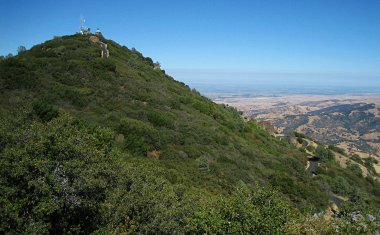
point(83, 29)
point(98, 32)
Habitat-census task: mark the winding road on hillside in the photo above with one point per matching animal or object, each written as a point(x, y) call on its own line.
point(306, 142)
point(312, 169)
point(313, 165)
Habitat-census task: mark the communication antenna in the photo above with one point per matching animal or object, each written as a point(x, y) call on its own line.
point(83, 29)
point(82, 20)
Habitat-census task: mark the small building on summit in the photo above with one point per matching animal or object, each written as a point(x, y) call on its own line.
point(98, 32)
point(94, 38)
point(83, 29)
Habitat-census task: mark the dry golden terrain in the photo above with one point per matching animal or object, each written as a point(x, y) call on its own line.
point(350, 122)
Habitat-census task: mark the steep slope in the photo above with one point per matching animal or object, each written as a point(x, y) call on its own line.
point(146, 132)
point(151, 112)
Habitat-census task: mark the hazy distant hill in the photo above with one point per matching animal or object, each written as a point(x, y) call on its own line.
point(356, 125)
point(352, 125)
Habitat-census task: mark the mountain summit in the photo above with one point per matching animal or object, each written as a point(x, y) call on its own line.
point(95, 137)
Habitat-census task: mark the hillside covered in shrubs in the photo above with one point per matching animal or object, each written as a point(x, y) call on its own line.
point(93, 145)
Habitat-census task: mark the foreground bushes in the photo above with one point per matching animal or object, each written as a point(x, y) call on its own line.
point(63, 176)
point(54, 177)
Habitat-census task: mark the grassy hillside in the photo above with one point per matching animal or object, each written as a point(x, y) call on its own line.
point(115, 145)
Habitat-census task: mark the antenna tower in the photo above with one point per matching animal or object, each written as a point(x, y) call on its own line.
point(83, 28)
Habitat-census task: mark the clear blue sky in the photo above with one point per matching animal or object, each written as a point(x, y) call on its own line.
point(306, 36)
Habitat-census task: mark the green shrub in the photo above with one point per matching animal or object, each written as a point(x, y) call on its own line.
point(302, 149)
point(75, 97)
point(104, 137)
point(337, 149)
point(139, 136)
point(45, 111)
point(357, 159)
point(323, 153)
point(355, 169)
point(341, 186)
point(251, 211)
point(159, 119)
point(16, 75)
point(55, 180)
point(103, 65)
point(202, 107)
point(368, 163)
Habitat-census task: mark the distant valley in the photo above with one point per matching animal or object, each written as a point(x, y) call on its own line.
point(350, 122)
